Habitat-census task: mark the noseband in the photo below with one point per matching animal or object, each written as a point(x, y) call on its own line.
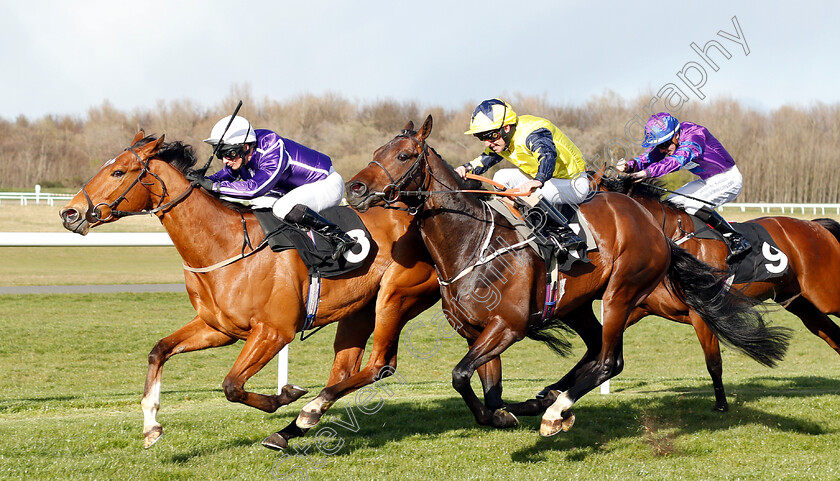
point(94, 212)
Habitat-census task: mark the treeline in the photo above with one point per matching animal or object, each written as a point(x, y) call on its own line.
point(791, 154)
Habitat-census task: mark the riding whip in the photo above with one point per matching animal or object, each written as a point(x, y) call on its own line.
point(218, 145)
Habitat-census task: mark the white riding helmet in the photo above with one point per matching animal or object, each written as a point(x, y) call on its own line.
point(239, 132)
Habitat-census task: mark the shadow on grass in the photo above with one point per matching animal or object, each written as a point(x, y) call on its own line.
point(682, 411)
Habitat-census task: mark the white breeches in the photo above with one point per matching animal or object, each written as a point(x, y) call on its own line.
point(318, 195)
point(717, 189)
point(557, 191)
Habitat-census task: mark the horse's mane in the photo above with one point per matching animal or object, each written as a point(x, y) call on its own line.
point(468, 184)
point(182, 157)
point(177, 154)
point(646, 189)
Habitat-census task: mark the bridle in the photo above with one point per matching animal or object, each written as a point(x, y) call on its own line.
point(94, 212)
point(392, 192)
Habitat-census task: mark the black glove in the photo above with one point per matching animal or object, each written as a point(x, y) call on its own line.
point(200, 181)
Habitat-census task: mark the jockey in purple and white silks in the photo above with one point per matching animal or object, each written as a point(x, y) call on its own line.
point(674, 146)
point(266, 171)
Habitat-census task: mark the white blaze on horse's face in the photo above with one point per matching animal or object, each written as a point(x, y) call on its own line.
point(106, 164)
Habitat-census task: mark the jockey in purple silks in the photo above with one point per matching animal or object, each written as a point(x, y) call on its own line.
point(266, 171)
point(673, 146)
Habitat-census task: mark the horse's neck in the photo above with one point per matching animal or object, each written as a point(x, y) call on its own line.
point(201, 228)
point(454, 227)
point(674, 222)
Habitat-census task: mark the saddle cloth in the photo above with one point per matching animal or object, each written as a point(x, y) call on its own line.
point(763, 262)
point(315, 249)
point(577, 222)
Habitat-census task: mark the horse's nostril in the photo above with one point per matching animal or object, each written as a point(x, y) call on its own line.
point(70, 215)
point(358, 188)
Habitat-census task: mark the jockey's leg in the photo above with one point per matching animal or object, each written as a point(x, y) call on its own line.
point(303, 215)
point(736, 242)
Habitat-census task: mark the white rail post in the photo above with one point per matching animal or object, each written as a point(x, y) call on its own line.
point(282, 368)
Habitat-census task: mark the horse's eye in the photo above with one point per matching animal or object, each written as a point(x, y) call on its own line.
point(403, 157)
point(117, 173)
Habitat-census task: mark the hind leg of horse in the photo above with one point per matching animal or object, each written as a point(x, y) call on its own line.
point(714, 362)
point(588, 328)
point(816, 321)
point(349, 346)
point(193, 336)
point(586, 376)
point(263, 343)
point(394, 308)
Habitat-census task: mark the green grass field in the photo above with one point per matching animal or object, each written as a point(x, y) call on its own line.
point(74, 366)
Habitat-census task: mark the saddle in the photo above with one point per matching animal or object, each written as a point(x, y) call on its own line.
point(763, 262)
point(316, 250)
point(541, 241)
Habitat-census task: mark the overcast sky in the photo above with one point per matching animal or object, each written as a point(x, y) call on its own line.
point(63, 57)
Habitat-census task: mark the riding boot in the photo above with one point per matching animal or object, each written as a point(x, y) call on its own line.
point(569, 241)
point(735, 242)
point(303, 215)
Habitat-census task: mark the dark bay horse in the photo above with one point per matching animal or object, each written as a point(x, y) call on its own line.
point(810, 289)
point(260, 298)
point(493, 291)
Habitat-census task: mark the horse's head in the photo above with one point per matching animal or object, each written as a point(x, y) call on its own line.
point(397, 168)
point(123, 186)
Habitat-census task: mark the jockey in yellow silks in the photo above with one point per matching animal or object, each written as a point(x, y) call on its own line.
point(547, 161)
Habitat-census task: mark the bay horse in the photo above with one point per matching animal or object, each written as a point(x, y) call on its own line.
point(259, 298)
point(493, 289)
point(809, 289)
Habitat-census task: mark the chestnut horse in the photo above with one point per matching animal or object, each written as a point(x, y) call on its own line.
point(259, 298)
point(493, 289)
point(810, 289)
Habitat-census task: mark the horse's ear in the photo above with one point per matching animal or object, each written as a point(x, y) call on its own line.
point(409, 126)
point(140, 136)
point(159, 142)
point(425, 130)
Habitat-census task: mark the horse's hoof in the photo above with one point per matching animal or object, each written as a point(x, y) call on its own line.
point(503, 419)
point(291, 393)
point(550, 427)
point(307, 419)
point(152, 436)
point(276, 442)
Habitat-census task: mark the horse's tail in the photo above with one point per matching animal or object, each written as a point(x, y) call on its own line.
point(729, 314)
point(552, 334)
point(831, 225)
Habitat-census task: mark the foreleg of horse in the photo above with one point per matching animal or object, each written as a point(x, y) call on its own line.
point(816, 321)
point(262, 345)
point(714, 363)
point(490, 374)
point(494, 339)
point(193, 336)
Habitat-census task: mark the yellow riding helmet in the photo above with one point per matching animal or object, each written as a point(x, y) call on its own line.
point(491, 114)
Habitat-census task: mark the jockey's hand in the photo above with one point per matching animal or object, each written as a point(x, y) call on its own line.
point(461, 171)
point(638, 176)
point(529, 187)
point(621, 165)
point(200, 181)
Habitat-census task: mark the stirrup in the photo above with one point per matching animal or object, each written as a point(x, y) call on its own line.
point(342, 245)
point(737, 246)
